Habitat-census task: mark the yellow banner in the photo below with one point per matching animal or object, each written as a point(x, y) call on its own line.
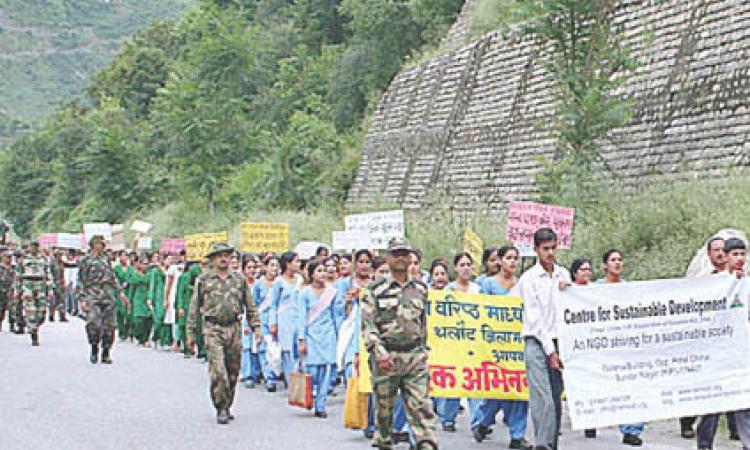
point(197, 245)
point(259, 237)
point(474, 246)
point(476, 347)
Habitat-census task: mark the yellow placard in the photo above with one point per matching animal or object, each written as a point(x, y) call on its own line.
point(474, 246)
point(476, 347)
point(197, 245)
point(260, 237)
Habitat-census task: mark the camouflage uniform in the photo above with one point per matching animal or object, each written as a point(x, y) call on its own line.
point(16, 304)
point(218, 303)
point(7, 276)
point(57, 302)
point(97, 287)
point(394, 322)
point(33, 285)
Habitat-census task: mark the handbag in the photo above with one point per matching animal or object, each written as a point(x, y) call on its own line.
point(355, 406)
point(300, 389)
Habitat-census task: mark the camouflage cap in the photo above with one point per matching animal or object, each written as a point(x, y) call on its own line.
point(97, 239)
point(399, 243)
point(219, 247)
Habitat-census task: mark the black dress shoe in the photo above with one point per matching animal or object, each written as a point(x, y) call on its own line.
point(321, 415)
point(590, 433)
point(687, 433)
point(450, 427)
point(631, 439)
point(516, 444)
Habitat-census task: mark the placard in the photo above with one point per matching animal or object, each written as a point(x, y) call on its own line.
point(48, 240)
point(101, 229)
point(145, 242)
point(476, 347)
point(474, 246)
point(380, 226)
point(259, 237)
point(172, 246)
point(654, 350)
point(307, 249)
point(70, 240)
point(351, 240)
point(118, 237)
point(198, 245)
point(140, 226)
point(525, 218)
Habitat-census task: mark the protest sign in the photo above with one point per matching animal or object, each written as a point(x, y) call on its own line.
point(140, 226)
point(172, 246)
point(307, 249)
point(145, 242)
point(70, 240)
point(101, 229)
point(524, 218)
point(258, 237)
point(198, 245)
point(351, 240)
point(118, 237)
point(476, 347)
point(653, 350)
point(380, 226)
point(474, 246)
point(48, 240)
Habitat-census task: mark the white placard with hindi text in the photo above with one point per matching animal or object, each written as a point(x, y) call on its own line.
point(351, 240)
point(69, 240)
point(654, 350)
point(381, 226)
point(101, 229)
point(145, 243)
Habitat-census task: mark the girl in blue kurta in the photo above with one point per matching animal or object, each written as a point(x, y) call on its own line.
point(317, 333)
point(514, 411)
point(284, 314)
point(262, 293)
point(250, 369)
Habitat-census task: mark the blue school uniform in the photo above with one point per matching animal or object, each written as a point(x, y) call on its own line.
point(260, 291)
point(319, 335)
point(284, 315)
point(515, 412)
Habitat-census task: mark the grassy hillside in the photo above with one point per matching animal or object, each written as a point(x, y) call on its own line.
point(50, 48)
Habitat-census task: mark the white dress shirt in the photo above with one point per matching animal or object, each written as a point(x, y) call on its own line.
point(540, 292)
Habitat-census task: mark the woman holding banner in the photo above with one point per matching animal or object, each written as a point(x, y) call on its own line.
point(581, 272)
point(612, 265)
point(262, 295)
point(463, 266)
point(284, 315)
point(317, 332)
point(515, 412)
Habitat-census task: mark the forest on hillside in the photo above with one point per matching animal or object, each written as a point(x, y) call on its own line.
point(238, 105)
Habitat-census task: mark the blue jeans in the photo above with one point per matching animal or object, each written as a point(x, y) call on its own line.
point(447, 409)
point(321, 381)
point(633, 428)
point(514, 415)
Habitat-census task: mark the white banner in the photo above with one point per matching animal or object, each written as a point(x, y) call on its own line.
point(92, 229)
point(653, 350)
point(69, 240)
point(381, 226)
point(351, 240)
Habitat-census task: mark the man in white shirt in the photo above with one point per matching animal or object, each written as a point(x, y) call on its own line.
point(539, 287)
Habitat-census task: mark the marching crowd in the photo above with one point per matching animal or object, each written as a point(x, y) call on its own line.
point(306, 314)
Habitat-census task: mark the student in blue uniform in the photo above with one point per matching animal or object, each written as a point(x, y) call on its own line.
point(514, 411)
point(262, 295)
point(284, 312)
point(250, 370)
point(317, 332)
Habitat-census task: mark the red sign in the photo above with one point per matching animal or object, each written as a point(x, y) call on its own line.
point(172, 246)
point(524, 218)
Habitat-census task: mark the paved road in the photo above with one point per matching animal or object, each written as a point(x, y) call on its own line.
point(52, 398)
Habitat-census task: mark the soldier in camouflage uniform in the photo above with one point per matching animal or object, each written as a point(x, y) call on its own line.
point(33, 287)
point(96, 289)
point(57, 301)
point(219, 299)
point(7, 276)
point(394, 326)
point(16, 305)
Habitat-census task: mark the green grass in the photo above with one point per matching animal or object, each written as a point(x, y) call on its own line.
point(659, 229)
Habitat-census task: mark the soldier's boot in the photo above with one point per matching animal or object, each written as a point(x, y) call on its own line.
point(51, 314)
point(94, 358)
point(20, 329)
point(222, 417)
point(105, 356)
point(35, 338)
point(12, 327)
